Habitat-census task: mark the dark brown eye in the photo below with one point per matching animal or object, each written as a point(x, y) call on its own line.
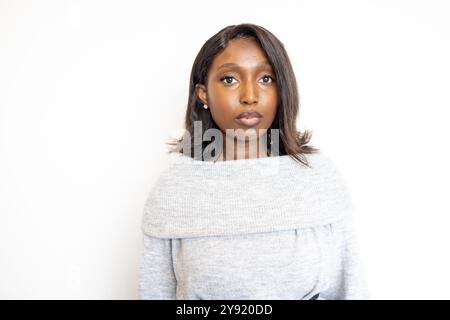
point(267, 77)
point(226, 78)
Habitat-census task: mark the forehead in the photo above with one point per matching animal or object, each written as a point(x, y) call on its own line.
point(246, 53)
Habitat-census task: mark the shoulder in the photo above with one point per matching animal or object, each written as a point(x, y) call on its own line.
point(322, 161)
point(327, 182)
point(324, 170)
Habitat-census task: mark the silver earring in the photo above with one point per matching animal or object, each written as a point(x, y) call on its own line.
point(205, 106)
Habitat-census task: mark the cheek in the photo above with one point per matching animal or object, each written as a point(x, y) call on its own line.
point(273, 95)
point(222, 116)
point(223, 101)
point(222, 98)
point(271, 102)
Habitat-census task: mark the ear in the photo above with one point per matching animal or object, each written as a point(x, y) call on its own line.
point(200, 90)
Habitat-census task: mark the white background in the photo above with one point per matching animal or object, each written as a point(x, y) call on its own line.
point(91, 90)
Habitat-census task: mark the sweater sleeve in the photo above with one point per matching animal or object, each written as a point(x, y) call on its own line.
point(157, 279)
point(347, 280)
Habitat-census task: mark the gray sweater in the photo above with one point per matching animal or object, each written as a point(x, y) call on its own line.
point(261, 228)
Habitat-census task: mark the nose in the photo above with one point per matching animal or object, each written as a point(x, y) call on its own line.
point(248, 93)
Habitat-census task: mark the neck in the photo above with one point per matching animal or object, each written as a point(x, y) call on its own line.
point(234, 149)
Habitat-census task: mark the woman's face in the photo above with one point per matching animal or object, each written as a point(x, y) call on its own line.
point(240, 79)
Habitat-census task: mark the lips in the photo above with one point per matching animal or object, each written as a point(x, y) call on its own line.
point(249, 118)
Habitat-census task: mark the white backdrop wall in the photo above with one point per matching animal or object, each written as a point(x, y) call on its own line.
point(91, 90)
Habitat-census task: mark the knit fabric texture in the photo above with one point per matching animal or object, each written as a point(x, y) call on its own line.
point(260, 228)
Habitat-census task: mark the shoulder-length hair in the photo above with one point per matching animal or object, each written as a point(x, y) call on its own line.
point(293, 143)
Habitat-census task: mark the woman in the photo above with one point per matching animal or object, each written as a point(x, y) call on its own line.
point(247, 210)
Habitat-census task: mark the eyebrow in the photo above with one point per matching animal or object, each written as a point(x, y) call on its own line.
point(236, 66)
